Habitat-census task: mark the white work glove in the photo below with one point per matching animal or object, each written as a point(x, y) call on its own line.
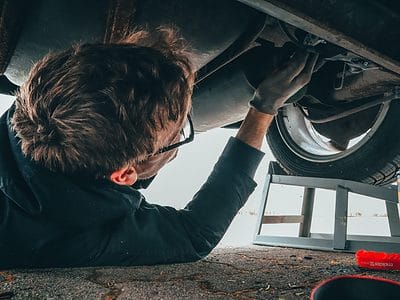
point(278, 87)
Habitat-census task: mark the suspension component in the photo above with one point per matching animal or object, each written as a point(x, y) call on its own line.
point(394, 94)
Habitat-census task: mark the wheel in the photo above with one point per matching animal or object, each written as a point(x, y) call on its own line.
point(372, 157)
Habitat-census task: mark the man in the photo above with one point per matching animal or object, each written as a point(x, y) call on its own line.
point(95, 119)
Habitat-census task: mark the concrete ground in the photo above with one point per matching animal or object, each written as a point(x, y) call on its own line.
point(228, 273)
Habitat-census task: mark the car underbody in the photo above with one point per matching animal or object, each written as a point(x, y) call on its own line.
point(341, 125)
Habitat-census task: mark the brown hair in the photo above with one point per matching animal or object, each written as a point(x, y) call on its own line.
point(94, 108)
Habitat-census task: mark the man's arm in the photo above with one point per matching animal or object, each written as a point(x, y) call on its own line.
point(154, 234)
point(254, 128)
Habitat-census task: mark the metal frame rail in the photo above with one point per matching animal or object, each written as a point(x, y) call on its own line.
point(339, 240)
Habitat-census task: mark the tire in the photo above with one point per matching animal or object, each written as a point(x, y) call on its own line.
point(375, 159)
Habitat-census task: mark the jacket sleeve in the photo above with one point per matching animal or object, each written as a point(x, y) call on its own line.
point(155, 234)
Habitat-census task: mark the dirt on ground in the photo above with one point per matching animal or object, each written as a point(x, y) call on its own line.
point(255, 272)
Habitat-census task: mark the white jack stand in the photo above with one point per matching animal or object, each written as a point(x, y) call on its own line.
point(339, 240)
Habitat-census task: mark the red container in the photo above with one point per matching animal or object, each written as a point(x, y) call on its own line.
point(378, 260)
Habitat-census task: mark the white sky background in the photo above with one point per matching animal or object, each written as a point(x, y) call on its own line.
point(179, 181)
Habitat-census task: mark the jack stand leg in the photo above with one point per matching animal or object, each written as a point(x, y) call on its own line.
point(393, 217)
point(307, 211)
point(340, 233)
point(263, 204)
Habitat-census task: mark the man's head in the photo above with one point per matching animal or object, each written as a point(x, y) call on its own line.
point(102, 109)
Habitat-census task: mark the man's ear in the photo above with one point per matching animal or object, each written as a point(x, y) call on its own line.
point(124, 176)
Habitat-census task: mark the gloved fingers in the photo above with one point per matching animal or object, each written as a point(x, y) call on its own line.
point(311, 62)
point(305, 76)
point(294, 66)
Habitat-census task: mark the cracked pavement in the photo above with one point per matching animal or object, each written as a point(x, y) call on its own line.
point(228, 273)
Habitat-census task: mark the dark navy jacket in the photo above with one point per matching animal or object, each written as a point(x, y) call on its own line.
point(51, 220)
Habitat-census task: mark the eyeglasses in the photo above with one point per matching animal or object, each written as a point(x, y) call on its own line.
point(187, 136)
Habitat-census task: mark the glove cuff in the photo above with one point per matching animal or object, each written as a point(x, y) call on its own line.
point(261, 107)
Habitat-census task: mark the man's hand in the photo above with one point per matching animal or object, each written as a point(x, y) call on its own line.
point(271, 94)
point(277, 88)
